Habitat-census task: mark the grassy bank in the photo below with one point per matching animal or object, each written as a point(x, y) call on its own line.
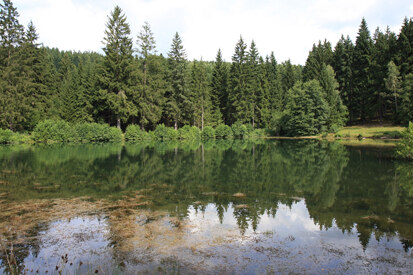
point(371, 132)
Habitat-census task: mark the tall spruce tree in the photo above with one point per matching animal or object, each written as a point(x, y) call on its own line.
point(263, 96)
point(253, 82)
point(219, 90)
point(337, 115)
point(239, 106)
point(405, 48)
point(116, 70)
point(178, 105)
point(201, 95)
point(11, 39)
point(151, 96)
point(362, 60)
point(318, 57)
point(342, 65)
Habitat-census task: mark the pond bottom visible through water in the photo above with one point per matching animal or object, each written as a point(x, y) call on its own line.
point(133, 241)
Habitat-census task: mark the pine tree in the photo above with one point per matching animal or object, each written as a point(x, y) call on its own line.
point(319, 56)
point(151, 96)
point(219, 90)
point(382, 55)
point(337, 115)
point(362, 72)
point(239, 107)
point(263, 96)
point(342, 65)
point(277, 101)
point(11, 39)
point(405, 48)
point(201, 95)
point(288, 79)
point(253, 87)
point(178, 105)
point(114, 79)
point(406, 100)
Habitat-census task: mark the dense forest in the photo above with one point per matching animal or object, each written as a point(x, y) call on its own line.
point(370, 79)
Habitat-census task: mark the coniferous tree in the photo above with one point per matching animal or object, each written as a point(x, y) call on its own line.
point(383, 53)
point(178, 105)
point(337, 115)
point(263, 96)
point(320, 55)
point(406, 100)
point(201, 95)
point(239, 107)
point(342, 65)
point(116, 70)
point(219, 90)
point(288, 76)
point(362, 72)
point(405, 48)
point(151, 96)
point(11, 38)
point(253, 87)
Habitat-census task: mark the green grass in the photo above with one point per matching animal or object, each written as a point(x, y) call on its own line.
point(371, 131)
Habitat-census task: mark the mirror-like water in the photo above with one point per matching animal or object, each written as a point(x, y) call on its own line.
point(219, 207)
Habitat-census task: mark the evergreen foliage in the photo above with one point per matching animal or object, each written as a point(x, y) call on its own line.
point(404, 149)
point(115, 78)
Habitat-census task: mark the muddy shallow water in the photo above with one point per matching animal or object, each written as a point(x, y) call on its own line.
point(223, 207)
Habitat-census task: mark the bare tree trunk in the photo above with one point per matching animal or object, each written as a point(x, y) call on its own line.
point(176, 125)
point(118, 123)
point(202, 116)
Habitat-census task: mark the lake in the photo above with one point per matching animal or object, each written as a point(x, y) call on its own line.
point(222, 207)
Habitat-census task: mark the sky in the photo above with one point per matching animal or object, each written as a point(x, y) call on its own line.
point(288, 28)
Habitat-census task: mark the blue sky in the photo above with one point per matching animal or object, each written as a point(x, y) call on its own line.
point(289, 28)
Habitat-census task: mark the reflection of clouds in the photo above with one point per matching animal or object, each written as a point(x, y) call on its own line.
point(82, 239)
point(289, 220)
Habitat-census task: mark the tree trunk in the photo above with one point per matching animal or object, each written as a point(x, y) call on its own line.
point(176, 125)
point(118, 123)
point(202, 116)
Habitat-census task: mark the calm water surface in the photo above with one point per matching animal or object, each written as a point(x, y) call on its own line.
point(219, 207)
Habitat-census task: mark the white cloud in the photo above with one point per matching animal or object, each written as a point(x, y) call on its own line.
point(289, 28)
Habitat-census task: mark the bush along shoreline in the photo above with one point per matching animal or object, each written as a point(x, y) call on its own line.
point(60, 131)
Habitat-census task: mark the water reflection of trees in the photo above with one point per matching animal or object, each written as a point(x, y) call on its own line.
point(341, 186)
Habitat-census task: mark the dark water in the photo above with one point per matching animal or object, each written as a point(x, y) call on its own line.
point(220, 207)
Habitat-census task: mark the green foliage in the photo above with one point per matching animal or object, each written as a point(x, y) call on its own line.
point(94, 132)
point(6, 136)
point(258, 133)
point(208, 133)
point(165, 133)
point(134, 132)
point(239, 130)
point(308, 111)
point(52, 130)
point(189, 132)
point(223, 131)
point(404, 148)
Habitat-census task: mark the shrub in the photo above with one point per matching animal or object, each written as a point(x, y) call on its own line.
point(239, 130)
point(208, 133)
point(54, 130)
point(165, 133)
point(404, 148)
point(134, 132)
point(95, 132)
point(334, 128)
point(223, 131)
point(257, 133)
point(188, 132)
point(6, 136)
